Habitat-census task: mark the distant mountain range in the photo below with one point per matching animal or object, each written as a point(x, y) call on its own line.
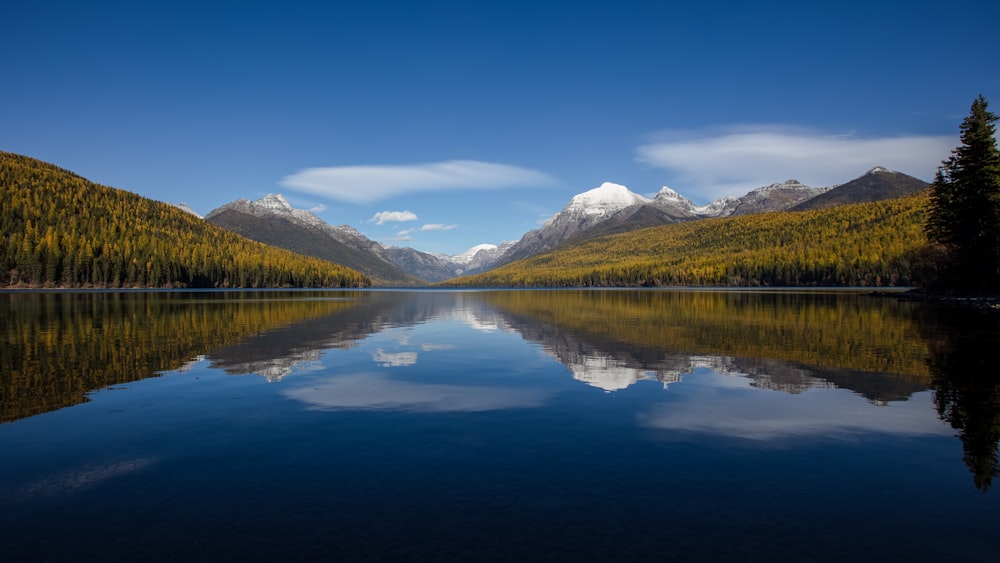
point(272, 220)
point(610, 208)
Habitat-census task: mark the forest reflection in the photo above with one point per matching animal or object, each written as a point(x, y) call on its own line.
point(964, 364)
point(58, 347)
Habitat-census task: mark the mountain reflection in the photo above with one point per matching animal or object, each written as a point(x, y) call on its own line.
point(784, 341)
point(58, 347)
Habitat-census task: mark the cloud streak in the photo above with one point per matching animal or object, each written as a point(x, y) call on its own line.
point(710, 165)
point(437, 227)
point(383, 217)
point(367, 184)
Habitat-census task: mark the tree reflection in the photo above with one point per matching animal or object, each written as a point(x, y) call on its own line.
point(964, 363)
point(58, 347)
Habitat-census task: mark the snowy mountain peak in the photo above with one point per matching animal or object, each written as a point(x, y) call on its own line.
point(271, 204)
point(877, 170)
point(667, 195)
point(607, 198)
point(791, 183)
point(467, 256)
point(275, 202)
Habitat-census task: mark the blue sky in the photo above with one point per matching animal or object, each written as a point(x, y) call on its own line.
point(441, 125)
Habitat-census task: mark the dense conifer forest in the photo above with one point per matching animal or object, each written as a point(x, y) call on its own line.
point(60, 230)
point(863, 245)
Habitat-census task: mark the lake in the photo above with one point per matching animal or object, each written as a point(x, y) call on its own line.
point(582, 425)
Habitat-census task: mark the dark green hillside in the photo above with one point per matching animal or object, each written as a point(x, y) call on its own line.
point(302, 239)
point(60, 230)
point(867, 244)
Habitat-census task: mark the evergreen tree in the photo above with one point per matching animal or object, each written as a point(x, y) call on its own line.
point(964, 211)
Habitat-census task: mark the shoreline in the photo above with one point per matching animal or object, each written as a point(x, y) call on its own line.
point(983, 303)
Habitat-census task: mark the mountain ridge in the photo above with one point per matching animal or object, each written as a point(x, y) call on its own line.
point(607, 209)
point(613, 208)
point(273, 220)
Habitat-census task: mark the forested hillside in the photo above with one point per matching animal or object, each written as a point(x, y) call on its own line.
point(866, 244)
point(60, 230)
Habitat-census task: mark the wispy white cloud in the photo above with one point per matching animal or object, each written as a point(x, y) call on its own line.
point(437, 227)
point(317, 209)
point(383, 217)
point(366, 184)
point(708, 165)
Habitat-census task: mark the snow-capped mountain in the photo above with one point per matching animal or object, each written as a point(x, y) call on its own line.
point(469, 255)
point(583, 211)
point(600, 202)
point(613, 208)
point(479, 257)
point(669, 198)
point(271, 204)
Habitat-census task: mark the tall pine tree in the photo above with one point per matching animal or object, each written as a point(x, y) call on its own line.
point(964, 213)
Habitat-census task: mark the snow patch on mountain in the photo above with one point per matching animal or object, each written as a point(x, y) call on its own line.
point(775, 197)
point(718, 208)
point(468, 255)
point(669, 196)
point(272, 204)
point(186, 208)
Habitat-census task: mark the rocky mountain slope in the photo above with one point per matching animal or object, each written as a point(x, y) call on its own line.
point(877, 184)
point(272, 220)
point(613, 208)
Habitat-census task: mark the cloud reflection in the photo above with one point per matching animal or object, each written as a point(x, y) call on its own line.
point(81, 478)
point(730, 407)
point(394, 359)
point(374, 391)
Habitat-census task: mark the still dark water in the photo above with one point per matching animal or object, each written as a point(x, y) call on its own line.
point(496, 426)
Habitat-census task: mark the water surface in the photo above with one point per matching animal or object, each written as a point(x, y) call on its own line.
point(496, 425)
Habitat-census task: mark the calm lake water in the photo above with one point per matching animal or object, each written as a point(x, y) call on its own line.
point(496, 425)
